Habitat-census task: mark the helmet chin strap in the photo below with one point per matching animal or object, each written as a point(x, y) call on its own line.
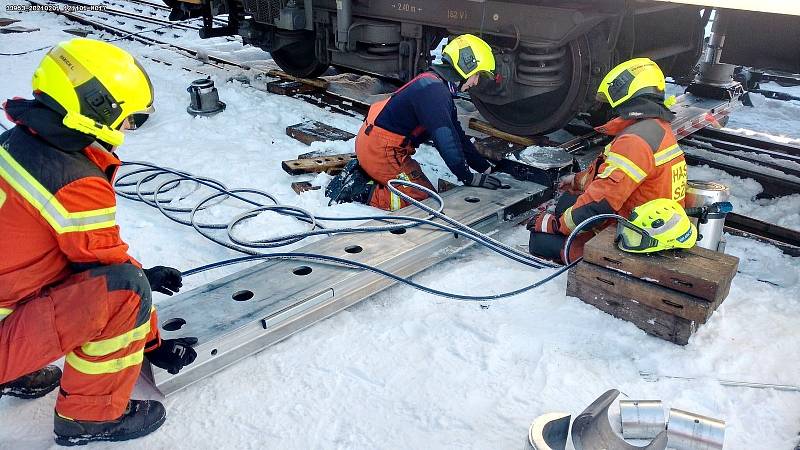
point(455, 88)
point(88, 126)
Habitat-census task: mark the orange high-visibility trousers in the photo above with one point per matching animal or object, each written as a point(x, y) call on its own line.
point(385, 156)
point(100, 319)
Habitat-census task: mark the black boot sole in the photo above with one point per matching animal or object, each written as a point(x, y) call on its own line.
point(84, 439)
point(29, 393)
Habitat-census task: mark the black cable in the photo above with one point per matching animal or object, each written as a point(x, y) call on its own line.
point(357, 265)
point(151, 172)
point(248, 247)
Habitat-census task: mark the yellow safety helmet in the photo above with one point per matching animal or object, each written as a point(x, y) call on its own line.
point(95, 85)
point(631, 79)
point(659, 224)
point(468, 55)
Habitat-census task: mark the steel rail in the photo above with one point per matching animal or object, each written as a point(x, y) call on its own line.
point(786, 239)
point(751, 143)
point(718, 148)
point(160, 7)
point(774, 186)
point(143, 3)
point(130, 15)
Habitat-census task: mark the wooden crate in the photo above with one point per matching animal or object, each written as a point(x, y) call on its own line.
point(696, 271)
point(582, 284)
point(652, 295)
point(666, 294)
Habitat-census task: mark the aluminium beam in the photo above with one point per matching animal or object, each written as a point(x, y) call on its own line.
point(246, 312)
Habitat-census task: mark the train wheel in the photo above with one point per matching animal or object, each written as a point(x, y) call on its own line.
point(297, 56)
point(547, 112)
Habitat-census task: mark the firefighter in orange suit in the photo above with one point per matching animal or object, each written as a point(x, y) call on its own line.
point(642, 163)
point(68, 286)
point(420, 110)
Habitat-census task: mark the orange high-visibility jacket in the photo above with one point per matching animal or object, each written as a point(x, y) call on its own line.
point(57, 204)
point(642, 163)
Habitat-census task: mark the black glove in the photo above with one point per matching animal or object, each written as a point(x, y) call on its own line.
point(173, 354)
point(483, 180)
point(164, 279)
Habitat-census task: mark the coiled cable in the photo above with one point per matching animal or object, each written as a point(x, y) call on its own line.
point(129, 187)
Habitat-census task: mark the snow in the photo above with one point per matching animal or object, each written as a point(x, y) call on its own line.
point(405, 369)
point(783, 211)
point(775, 117)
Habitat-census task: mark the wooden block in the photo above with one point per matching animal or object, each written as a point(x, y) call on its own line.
point(80, 32)
point(495, 149)
point(314, 154)
point(653, 321)
point(483, 127)
point(330, 164)
point(667, 300)
point(302, 186)
point(7, 21)
point(17, 29)
point(696, 271)
point(313, 131)
point(286, 87)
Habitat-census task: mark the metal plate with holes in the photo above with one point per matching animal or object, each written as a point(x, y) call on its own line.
point(245, 312)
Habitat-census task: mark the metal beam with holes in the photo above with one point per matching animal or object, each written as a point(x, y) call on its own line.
point(246, 312)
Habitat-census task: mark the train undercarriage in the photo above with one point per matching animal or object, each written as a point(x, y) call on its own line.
point(551, 55)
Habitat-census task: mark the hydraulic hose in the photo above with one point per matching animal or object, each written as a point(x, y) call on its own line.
point(150, 173)
point(235, 243)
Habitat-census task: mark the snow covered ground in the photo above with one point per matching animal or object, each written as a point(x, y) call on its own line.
point(408, 370)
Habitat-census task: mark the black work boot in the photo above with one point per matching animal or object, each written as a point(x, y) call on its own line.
point(33, 385)
point(351, 185)
point(140, 419)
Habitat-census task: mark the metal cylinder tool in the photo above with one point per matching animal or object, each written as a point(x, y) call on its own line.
point(641, 419)
point(688, 431)
point(204, 98)
point(709, 227)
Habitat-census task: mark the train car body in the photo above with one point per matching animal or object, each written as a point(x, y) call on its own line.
point(551, 55)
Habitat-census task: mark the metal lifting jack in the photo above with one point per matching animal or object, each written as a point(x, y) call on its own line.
point(243, 313)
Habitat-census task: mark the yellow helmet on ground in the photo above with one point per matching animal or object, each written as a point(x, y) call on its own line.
point(468, 55)
point(659, 224)
point(95, 85)
point(631, 79)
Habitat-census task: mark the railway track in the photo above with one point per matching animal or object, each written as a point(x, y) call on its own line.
point(782, 160)
point(140, 5)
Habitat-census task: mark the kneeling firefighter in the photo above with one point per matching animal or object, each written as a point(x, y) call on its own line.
point(68, 286)
point(642, 163)
point(420, 110)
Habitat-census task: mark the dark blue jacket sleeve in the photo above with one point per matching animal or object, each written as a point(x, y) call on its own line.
point(474, 159)
point(435, 111)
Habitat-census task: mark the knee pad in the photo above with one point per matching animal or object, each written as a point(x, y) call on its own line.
point(546, 245)
point(126, 277)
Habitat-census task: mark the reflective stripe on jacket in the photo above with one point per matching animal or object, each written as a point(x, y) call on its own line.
point(58, 210)
point(642, 163)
